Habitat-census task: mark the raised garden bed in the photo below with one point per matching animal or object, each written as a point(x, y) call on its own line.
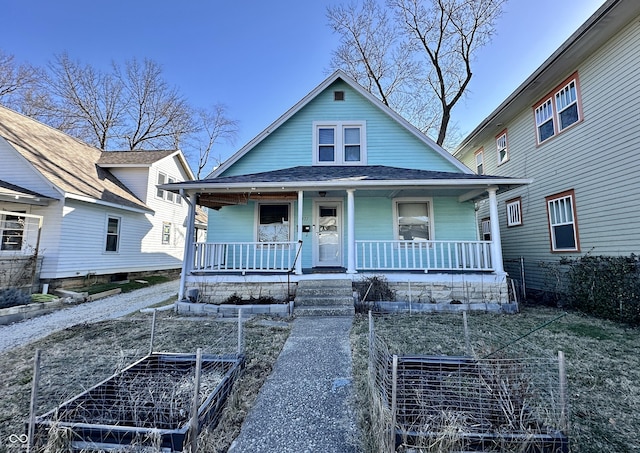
point(148, 403)
point(471, 405)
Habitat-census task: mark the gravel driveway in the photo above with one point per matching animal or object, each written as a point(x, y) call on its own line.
point(23, 332)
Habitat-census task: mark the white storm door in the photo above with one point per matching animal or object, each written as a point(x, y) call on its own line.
point(328, 233)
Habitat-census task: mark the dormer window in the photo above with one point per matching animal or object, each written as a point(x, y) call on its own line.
point(339, 143)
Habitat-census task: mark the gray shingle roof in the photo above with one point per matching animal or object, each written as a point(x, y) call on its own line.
point(342, 173)
point(132, 157)
point(68, 163)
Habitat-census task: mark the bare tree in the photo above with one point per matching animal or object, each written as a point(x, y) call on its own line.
point(16, 81)
point(215, 127)
point(420, 58)
point(87, 103)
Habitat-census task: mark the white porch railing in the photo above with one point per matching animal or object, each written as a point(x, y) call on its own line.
point(424, 255)
point(244, 256)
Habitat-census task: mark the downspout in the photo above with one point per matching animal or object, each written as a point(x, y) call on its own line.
point(300, 220)
point(187, 260)
point(496, 243)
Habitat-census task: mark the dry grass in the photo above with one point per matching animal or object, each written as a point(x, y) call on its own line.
point(603, 364)
point(80, 357)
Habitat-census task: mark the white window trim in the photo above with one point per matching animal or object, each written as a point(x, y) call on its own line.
point(429, 200)
point(485, 225)
point(480, 153)
point(569, 195)
point(514, 212)
point(506, 148)
point(168, 242)
point(106, 234)
point(552, 99)
point(339, 127)
point(168, 179)
point(256, 215)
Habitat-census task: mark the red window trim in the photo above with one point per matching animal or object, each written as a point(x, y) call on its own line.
point(572, 194)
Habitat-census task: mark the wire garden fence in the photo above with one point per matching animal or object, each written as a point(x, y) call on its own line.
point(477, 393)
point(139, 398)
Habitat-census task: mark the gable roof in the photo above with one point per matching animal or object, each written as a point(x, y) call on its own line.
point(130, 159)
point(338, 75)
point(69, 164)
point(608, 20)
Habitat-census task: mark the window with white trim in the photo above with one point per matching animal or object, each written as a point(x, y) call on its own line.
point(166, 233)
point(339, 143)
point(163, 178)
point(502, 148)
point(413, 220)
point(563, 224)
point(12, 228)
point(514, 212)
point(113, 234)
point(558, 110)
point(273, 222)
point(485, 224)
point(479, 155)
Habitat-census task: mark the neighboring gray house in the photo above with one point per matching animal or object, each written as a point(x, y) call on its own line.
point(573, 127)
point(88, 213)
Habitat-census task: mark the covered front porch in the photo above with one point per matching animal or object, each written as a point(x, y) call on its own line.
point(341, 222)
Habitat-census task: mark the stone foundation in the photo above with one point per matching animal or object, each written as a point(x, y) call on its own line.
point(468, 292)
point(219, 292)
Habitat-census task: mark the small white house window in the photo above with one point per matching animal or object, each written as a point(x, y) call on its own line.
point(339, 143)
point(12, 229)
point(514, 212)
point(166, 233)
point(113, 234)
point(501, 146)
point(413, 220)
point(485, 225)
point(163, 178)
point(544, 121)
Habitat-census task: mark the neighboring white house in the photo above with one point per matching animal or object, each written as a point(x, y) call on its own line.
point(101, 211)
point(573, 127)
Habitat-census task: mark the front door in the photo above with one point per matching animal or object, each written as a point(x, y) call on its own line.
point(327, 233)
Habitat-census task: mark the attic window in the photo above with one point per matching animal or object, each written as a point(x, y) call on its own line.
point(338, 95)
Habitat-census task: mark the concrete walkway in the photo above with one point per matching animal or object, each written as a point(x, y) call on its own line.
point(305, 405)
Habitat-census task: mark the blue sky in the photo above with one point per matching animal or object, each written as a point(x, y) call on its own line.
point(260, 58)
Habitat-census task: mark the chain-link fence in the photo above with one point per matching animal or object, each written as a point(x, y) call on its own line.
point(137, 396)
point(478, 392)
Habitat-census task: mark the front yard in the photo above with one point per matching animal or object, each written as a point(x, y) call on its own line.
point(603, 364)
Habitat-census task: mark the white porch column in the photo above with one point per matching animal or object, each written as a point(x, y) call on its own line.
point(496, 243)
point(351, 233)
point(299, 260)
point(187, 259)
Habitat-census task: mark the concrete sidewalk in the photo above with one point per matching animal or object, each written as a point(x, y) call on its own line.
point(305, 405)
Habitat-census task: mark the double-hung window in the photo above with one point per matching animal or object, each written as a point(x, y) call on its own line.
point(339, 143)
point(479, 156)
point(12, 228)
point(501, 146)
point(413, 220)
point(558, 110)
point(514, 212)
point(273, 222)
point(563, 224)
point(113, 234)
point(166, 233)
point(165, 194)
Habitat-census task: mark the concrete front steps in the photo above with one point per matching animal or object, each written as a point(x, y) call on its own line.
point(324, 298)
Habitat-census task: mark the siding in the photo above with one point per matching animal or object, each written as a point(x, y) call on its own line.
point(598, 158)
point(16, 170)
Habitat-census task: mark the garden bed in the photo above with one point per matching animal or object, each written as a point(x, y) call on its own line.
point(471, 405)
point(148, 403)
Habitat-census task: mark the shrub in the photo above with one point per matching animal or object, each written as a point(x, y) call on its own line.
point(606, 286)
point(12, 297)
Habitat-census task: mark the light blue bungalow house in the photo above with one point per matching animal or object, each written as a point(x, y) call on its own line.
point(342, 187)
